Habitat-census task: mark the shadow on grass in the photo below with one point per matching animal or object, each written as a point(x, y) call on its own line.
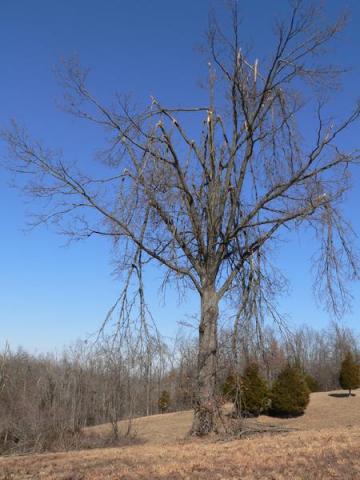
point(341, 395)
point(273, 414)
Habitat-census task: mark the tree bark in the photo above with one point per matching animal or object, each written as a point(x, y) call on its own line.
point(205, 408)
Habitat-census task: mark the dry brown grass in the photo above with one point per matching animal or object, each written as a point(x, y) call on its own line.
point(165, 428)
point(326, 446)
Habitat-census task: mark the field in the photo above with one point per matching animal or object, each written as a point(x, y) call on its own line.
point(325, 444)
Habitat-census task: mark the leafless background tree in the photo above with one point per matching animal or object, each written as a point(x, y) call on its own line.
point(46, 402)
point(207, 202)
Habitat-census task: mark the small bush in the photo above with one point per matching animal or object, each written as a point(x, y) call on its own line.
point(254, 393)
point(230, 387)
point(290, 394)
point(249, 393)
point(349, 377)
point(312, 383)
point(231, 392)
point(164, 401)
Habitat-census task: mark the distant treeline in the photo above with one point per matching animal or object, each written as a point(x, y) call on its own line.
point(47, 400)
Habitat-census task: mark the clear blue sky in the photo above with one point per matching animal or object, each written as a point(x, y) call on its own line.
point(51, 295)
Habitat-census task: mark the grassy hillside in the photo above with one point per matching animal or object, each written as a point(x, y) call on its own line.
point(326, 445)
point(324, 411)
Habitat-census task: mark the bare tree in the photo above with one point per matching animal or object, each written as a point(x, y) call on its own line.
point(207, 204)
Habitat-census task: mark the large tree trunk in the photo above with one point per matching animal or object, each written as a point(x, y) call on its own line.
point(205, 409)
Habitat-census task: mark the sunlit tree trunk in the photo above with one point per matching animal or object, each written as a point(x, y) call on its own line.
point(205, 411)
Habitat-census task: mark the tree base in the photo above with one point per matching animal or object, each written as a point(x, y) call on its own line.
point(206, 421)
point(203, 422)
